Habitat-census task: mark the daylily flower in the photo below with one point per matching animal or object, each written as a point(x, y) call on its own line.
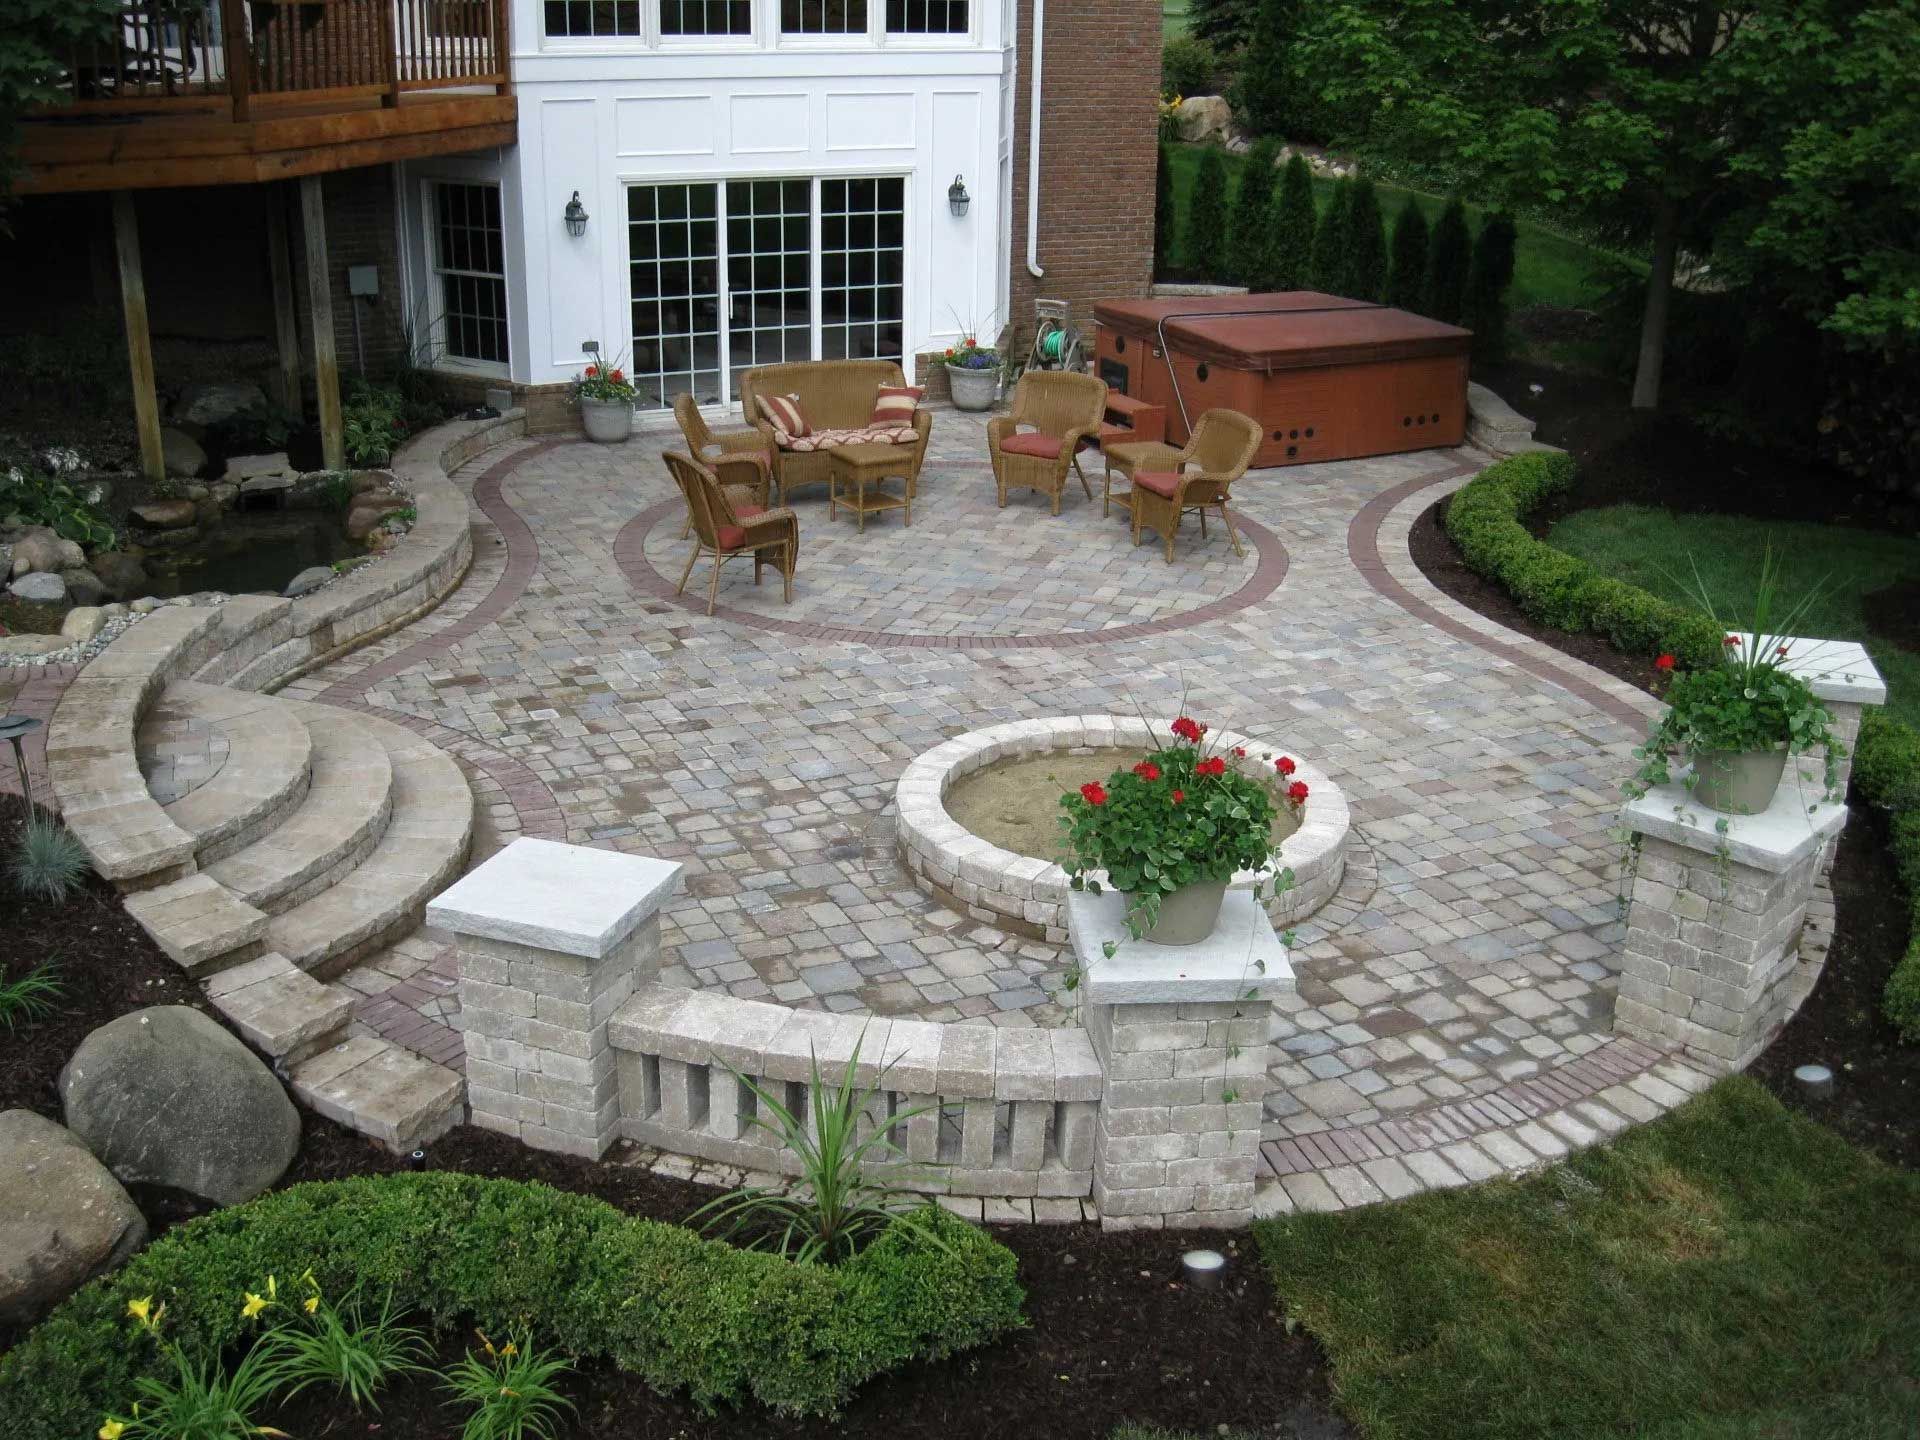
point(141, 1309)
point(255, 1304)
point(311, 1304)
point(112, 1430)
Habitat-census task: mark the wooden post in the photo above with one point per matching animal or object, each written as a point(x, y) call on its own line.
point(326, 369)
point(286, 323)
point(133, 303)
point(233, 39)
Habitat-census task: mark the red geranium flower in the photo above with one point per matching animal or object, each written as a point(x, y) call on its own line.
point(1731, 640)
point(1285, 765)
point(1239, 752)
point(1147, 770)
point(1781, 651)
point(618, 376)
point(1215, 766)
point(592, 370)
point(1189, 730)
point(1178, 796)
point(1664, 663)
point(1297, 792)
point(1093, 793)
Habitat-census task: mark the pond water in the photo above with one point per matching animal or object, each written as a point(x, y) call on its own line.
point(251, 552)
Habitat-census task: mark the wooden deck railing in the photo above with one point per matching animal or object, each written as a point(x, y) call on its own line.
point(220, 53)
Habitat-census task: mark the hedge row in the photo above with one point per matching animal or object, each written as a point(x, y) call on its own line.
point(1886, 772)
point(456, 1250)
point(1554, 587)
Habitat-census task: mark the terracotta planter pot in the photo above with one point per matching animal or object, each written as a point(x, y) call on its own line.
point(1738, 782)
point(1188, 915)
point(973, 389)
point(608, 421)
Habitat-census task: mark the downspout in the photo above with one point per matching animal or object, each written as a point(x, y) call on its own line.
point(1033, 142)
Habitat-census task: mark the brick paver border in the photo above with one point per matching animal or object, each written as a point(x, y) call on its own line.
point(37, 697)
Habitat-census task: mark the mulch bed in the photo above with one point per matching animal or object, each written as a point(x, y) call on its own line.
point(1877, 1099)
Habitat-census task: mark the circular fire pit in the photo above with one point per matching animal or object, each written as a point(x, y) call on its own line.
point(1028, 895)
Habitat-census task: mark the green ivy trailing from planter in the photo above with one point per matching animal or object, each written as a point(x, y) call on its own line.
point(681, 1312)
point(1886, 772)
point(1558, 589)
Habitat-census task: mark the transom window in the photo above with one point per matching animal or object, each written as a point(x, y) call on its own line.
point(569, 18)
point(470, 266)
point(823, 17)
point(706, 17)
point(926, 17)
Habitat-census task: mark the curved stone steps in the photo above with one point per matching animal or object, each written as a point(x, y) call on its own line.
point(422, 849)
point(344, 815)
point(265, 774)
point(382, 1090)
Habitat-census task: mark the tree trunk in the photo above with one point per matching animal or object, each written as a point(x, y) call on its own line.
point(1653, 321)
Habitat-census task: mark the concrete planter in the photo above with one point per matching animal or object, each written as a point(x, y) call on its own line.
point(1188, 915)
point(973, 389)
point(607, 421)
point(1738, 782)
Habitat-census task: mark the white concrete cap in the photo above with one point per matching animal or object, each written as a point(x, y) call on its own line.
point(570, 898)
point(1242, 957)
point(1779, 837)
point(1833, 669)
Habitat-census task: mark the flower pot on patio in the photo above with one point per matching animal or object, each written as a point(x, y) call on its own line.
point(607, 421)
point(1738, 782)
point(973, 389)
point(1188, 915)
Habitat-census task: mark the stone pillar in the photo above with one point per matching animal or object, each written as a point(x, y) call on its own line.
point(551, 940)
point(1713, 928)
point(1181, 1036)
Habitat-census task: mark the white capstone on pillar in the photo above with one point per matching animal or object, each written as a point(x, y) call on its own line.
point(1713, 927)
point(551, 940)
point(1842, 677)
point(1180, 1032)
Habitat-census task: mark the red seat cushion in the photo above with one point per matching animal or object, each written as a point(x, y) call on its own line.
point(1032, 442)
point(1160, 482)
point(732, 537)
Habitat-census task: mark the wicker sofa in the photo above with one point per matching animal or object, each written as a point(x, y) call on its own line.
point(835, 395)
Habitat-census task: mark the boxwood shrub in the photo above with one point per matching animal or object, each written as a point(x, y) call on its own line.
point(655, 1299)
point(1886, 772)
point(1558, 589)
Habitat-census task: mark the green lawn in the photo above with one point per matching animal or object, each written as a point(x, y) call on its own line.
point(1173, 18)
point(1651, 547)
point(1732, 1270)
point(1548, 269)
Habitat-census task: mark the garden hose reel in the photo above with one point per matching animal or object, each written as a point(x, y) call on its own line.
point(1056, 344)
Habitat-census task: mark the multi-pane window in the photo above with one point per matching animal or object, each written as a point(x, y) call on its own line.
point(569, 18)
point(926, 17)
point(470, 263)
point(769, 273)
point(674, 268)
point(823, 17)
point(706, 17)
point(862, 268)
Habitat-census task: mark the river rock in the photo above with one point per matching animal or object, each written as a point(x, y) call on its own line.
point(211, 403)
point(42, 587)
point(36, 551)
point(63, 1217)
point(83, 623)
point(307, 581)
point(1203, 118)
point(164, 514)
point(182, 453)
point(122, 575)
point(168, 1097)
point(83, 586)
point(146, 605)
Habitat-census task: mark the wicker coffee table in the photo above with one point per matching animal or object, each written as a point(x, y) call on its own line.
point(864, 470)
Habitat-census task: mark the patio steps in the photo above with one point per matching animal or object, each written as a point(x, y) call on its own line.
point(319, 835)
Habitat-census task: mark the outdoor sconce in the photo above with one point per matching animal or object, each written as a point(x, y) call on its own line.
point(957, 197)
point(576, 216)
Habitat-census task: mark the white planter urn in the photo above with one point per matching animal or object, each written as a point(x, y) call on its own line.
point(607, 421)
point(973, 389)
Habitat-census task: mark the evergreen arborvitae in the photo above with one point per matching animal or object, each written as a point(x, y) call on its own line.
point(1222, 24)
point(1487, 287)
point(1330, 240)
point(1407, 271)
point(1265, 91)
point(1206, 237)
point(1250, 205)
point(1366, 246)
point(1287, 256)
point(1162, 210)
point(1449, 258)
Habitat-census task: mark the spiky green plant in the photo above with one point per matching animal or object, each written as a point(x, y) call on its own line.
point(511, 1390)
point(344, 1346)
point(49, 863)
point(30, 997)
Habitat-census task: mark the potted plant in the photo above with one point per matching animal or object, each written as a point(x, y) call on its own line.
point(1738, 720)
point(606, 403)
point(1173, 831)
point(973, 375)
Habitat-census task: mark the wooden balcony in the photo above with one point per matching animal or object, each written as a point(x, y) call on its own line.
point(238, 91)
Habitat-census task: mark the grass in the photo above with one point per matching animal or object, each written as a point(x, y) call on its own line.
point(1173, 18)
point(1548, 268)
point(1638, 544)
point(1733, 1270)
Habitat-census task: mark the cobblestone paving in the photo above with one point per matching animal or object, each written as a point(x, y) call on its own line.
point(1469, 949)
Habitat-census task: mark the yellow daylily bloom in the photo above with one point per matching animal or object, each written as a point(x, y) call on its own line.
point(273, 1288)
point(253, 1306)
point(112, 1430)
point(140, 1309)
point(509, 1350)
point(311, 1303)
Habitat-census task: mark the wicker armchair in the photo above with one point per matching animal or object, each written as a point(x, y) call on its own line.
point(835, 395)
point(1063, 408)
point(1163, 488)
point(728, 528)
point(739, 457)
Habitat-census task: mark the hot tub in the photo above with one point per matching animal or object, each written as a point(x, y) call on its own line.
point(1327, 378)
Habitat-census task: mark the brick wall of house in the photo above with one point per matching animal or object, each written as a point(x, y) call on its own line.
point(1098, 148)
point(362, 229)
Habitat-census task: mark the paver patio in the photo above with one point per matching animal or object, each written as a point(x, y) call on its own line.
point(1470, 948)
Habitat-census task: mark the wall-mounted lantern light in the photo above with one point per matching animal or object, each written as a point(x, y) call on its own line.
point(576, 216)
point(957, 197)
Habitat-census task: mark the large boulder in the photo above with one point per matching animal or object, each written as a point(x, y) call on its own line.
point(183, 455)
point(210, 404)
point(84, 623)
point(37, 551)
point(370, 509)
point(1203, 118)
point(63, 1217)
point(122, 574)
point(41, 587)
point(307, 581)
point(167, 1097)
point(164, 514)
point(83, 586)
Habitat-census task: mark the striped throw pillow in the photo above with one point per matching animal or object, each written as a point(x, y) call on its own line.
point(783, 412)
point(894, 406)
